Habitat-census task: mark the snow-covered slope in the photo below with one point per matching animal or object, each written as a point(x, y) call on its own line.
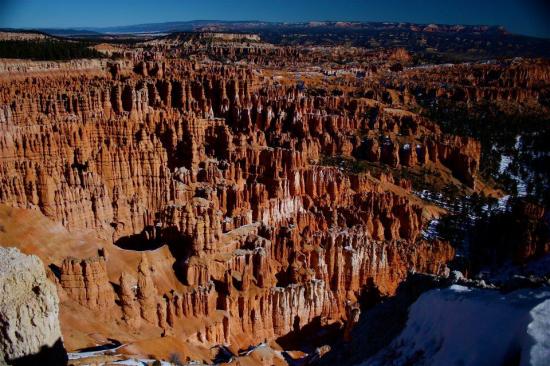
point(473, 327)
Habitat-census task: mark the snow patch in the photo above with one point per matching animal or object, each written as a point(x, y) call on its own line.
point(470, 327)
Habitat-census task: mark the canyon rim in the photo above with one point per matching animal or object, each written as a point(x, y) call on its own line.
point(274, 193)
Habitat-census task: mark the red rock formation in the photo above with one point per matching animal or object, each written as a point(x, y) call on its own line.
point(130, 306)
point(86, 282)
point(226, 166)
point(147, 293)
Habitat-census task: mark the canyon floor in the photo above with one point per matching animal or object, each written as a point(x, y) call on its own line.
point(264, 198)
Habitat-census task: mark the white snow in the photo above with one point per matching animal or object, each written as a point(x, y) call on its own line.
point(136, 362)
point(128, 362)
point(505, 161)
point(78, 355)
point(431, 232)
point(471, 327)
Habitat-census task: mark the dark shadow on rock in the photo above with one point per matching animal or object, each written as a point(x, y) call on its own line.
point(55, 270)
point(152, 238)
point(517, 235)
point(180, 247)
point(370, 295)
point(146, 240)
point(283, 278)
point(380, 324)
point(54, 355)
point(116, 287)
point(311, 335)
point(104, 347)
point(224, 355)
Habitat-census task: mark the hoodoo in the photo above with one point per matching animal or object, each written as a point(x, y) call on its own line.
point(263, 193)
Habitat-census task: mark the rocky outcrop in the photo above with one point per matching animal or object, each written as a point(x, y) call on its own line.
point(86, 282)
point(130, 307)
point(398, 138)
point(29, 309)
point(147, 293)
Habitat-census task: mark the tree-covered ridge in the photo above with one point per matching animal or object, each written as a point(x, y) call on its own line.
point(47, 50)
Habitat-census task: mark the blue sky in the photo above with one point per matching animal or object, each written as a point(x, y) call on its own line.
point(519, 16)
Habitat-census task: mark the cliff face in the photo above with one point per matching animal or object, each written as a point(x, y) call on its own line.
point(112, 155)
point(29, 309)
point(222, 167)
point(86, 282)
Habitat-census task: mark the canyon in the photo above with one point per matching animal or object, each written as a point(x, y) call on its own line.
point(208, 194)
